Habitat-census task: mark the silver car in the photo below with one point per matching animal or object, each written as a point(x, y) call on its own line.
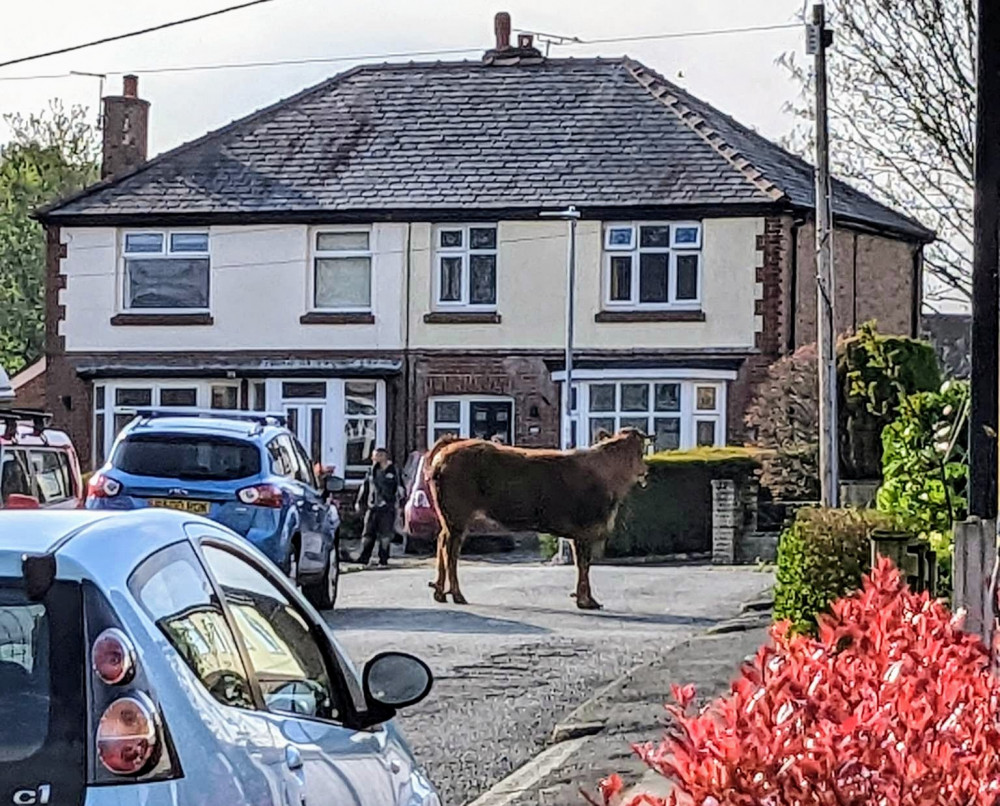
point(154, 657)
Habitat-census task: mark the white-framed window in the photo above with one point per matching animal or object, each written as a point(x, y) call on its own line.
point(679, 408)
point(342, 269)
point(464, 416)
point(653, 265)
point(465, 266)
point(165, 270)
point(361, 425)
point(115, 403)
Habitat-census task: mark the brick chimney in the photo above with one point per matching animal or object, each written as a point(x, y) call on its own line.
point(504, 53)
point(126, 127)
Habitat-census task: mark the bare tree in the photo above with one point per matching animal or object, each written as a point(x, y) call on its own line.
point(902, 105)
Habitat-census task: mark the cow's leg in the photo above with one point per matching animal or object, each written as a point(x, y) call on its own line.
point(583, 549)
point(454, 550)
point(439, 584)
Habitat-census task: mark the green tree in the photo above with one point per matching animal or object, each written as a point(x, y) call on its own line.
point(48, 155)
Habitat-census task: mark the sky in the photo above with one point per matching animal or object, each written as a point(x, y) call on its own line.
point(736, 72)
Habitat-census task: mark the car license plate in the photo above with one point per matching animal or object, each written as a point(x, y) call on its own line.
point(194, 507)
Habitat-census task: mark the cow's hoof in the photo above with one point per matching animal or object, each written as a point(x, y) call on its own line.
point(588, 604)
point(458, 599)
point(440, 597)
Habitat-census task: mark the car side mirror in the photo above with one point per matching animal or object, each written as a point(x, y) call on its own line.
point(19, 501)
point(396, 680)
point(333, 484)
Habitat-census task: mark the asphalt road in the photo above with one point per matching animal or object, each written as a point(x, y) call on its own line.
point(510, 665)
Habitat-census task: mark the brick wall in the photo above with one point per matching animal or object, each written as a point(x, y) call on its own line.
point(31, 395)
point(524, 378)
point(875, 280)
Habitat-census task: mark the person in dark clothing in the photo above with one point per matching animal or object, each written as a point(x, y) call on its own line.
point(378, 499)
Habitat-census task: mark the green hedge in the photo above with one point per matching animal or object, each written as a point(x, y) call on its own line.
point(822, 556)
point(673, 514)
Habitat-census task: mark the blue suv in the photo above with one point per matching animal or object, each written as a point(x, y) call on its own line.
point(245, 470)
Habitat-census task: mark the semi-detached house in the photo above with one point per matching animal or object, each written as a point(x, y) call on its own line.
point(370, 257)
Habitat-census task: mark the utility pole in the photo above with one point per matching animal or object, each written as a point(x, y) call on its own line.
point(985, 257)
point(570, 215)
point(818, 39)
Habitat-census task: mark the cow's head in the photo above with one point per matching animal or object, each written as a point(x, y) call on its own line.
point(632, 443)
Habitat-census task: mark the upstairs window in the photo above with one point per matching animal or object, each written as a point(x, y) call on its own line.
point(342, 270)
point(166, 271)
point(466, 266)
point(653, 265)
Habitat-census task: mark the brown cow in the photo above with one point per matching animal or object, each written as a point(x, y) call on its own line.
point(571, 494)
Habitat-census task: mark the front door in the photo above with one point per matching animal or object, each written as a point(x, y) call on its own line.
point(491, 419)
point(305, 420)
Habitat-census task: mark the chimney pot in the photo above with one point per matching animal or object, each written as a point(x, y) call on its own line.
point(501, 25)
point(130, 88)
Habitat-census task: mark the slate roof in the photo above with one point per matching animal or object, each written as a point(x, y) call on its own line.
point(598, 133)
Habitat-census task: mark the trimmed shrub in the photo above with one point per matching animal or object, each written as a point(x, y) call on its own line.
point(548, 545)
point(892, 704)
point(822, 555)
point(673, 514)
point(875, 375)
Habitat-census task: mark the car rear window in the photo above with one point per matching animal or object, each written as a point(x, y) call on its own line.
point(184, 456)
point(24, 676)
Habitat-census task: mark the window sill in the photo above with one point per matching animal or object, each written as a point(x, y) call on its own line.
point(650, 316)
point(162, 319)
point(462, 318)
point(332, 318)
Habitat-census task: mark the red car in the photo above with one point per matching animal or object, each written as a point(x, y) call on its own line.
point(420, 519)
point(38, 466)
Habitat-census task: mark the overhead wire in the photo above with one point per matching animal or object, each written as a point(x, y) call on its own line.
point(410, 54)
point(117, 37)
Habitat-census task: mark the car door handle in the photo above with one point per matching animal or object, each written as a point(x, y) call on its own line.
point(293, 758)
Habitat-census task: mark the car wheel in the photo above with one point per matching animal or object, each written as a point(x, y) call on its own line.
point(323, 593)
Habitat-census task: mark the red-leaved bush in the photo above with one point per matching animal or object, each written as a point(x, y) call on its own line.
point(893, 705)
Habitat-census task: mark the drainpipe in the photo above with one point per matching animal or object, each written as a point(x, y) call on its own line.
point(793, 284)
point(409, 427)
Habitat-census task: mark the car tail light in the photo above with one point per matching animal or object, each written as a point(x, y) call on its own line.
point(102, 486)
point(128, 736)
point(113, 657)
point(420, 500)
point(262, 495)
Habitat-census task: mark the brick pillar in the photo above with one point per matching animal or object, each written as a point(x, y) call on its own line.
point(727, 521)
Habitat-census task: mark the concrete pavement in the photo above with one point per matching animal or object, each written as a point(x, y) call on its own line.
point(520, 658)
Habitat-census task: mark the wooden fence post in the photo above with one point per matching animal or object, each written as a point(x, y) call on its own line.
point(974, 557)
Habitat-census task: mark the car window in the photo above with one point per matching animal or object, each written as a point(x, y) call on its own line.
point(304, 469)
point(281, 459)
point(286, 659)
point(14, 478)
point(175, 592)
point(187, 456)
point(52, 475)
point(24, 676)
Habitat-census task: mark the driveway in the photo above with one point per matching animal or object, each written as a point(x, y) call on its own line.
point(510, 665)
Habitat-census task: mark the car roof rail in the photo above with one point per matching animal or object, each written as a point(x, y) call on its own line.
point(261, 418)
point(11, 418)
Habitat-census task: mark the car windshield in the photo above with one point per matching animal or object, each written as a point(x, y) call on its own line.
point(187, 456)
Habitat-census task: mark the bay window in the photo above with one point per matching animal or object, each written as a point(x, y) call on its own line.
point(677, 412)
